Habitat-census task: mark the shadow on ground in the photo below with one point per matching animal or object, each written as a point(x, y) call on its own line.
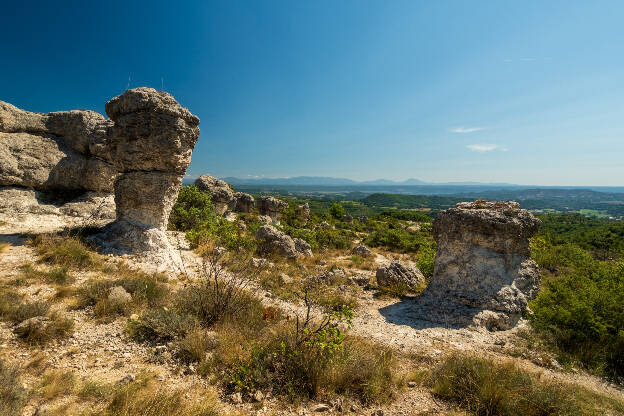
point(423, 311)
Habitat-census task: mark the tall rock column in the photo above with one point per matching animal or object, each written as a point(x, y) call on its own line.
point(483, 263)
point(151, 143)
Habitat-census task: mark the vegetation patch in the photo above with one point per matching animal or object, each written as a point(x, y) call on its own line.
point(13, 395)
point(486, 388)
point(66, 251)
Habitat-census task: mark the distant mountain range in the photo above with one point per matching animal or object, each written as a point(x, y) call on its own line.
point(329, 181)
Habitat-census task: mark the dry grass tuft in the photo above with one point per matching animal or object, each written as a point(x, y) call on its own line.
point(485, 388)
point(57, 383)
point(13, 396)
point(66, 251)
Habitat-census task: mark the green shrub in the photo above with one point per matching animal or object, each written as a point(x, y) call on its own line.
point(337, 211)
point(192, 209)
point(485, 388)
point(426, 260)
point(581, 314)
point(337, 239)
point(305, 360)
point(159, 325)
point(13, 396)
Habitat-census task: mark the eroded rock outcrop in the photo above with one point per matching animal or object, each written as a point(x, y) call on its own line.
point(397, 273)
point(272, 207)
point(151, 142)
point(483, 268)
point(274, 241)
point(222, 194)
point(57, 165)
point(245, 203)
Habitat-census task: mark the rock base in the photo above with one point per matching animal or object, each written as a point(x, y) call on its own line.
point(150, 245)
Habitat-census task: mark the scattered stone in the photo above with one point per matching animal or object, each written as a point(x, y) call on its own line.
point(259, 263)
point(236, 398)
point(284, 279)
point(397, 272)
point(258, 396)
point(38, 323)
point(130, 377)
point(347, 218)
point(411, 384)
point(362, 251)
point(303, 213)
point(321, 407)
point(483, 262)
point(377, 412)
point(360, 280)
point(303, 247)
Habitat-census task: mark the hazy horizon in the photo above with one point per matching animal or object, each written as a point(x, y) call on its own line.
point(521, 93)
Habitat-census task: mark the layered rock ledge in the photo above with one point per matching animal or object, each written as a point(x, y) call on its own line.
point(63, 168)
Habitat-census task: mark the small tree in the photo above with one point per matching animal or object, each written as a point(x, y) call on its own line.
point(337, 211)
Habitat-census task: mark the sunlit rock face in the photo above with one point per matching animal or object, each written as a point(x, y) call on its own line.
point(483, 261)
point(151, 142)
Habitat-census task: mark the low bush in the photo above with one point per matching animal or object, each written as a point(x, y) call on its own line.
point(145, 289)
point(194, 346)
point(303, 358)
point(485, 388)
point(13, 395)
point(159, 325)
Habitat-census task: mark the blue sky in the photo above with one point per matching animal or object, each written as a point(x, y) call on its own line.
point(527, 92)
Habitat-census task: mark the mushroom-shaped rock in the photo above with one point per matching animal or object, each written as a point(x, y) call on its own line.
point(483, 261)
point(222, 194)
point(152, 139)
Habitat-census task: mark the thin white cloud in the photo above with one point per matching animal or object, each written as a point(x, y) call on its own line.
point(466, 129)
point(484, 147)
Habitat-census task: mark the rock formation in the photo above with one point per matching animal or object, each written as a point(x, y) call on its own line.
point(362, 251)
point(222, 194)
point(244, 202)
point(151, 142)
point(483, 266)
point(272, 207)
point(274, 241)
point(55, 169)
point(400, 273)
point(303, 213)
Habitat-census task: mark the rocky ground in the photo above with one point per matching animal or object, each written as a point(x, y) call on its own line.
point(102, 350)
